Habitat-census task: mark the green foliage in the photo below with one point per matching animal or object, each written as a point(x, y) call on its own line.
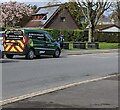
point(107, 37)
point(105, 45)
point(102, 45)
point(76, 13)
point(70, 35)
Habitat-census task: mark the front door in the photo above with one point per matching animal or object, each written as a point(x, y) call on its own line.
point(50, 46)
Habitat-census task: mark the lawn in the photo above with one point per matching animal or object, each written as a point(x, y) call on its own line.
point(108, 45)
point(102, 45)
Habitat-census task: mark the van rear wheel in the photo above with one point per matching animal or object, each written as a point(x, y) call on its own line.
point(10, 56)
point(30, 54)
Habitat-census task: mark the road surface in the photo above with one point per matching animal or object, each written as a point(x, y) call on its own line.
point(20, 76)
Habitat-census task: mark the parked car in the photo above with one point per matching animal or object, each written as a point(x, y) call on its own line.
point(30, 43)
point(1, 44)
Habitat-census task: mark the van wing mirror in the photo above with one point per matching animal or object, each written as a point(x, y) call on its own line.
point(53, 40)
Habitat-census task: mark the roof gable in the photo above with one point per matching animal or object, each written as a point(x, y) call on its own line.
point(63, 20)
point(48, 14)
point(104, 20)
point(49, 11)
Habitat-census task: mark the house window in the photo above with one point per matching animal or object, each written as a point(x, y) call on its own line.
point(38, 17)
point(82, 18)
point(62, 19)
point(34, 17)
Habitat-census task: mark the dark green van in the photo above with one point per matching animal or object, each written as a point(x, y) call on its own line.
point(30, 43)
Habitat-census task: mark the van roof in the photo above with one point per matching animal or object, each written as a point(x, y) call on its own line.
point(34, 30)
point(2, 31)
point(30, 30)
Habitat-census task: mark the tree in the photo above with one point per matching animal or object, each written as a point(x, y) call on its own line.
point(76, 13)
point(94, 10)
point(13, 12)
point(115, 15)
point(118, 11)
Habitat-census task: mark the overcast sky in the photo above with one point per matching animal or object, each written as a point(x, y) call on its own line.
point(36, 2)
point(24, 0)
point(43, 0)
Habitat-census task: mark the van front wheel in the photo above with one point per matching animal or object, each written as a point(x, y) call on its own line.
point(10, 56)
point(56, 53)
point(30, 54)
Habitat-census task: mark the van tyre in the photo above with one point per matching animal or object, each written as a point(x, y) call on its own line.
point(30, 54)
point(2, 55)
point(10, 56)
point(38, 56)
point(56, 53)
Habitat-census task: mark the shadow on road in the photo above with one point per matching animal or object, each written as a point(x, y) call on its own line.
point(22, 58)
point(7, 61)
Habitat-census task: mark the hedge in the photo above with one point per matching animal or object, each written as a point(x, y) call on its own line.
point(109, 37)
point(82, 36)
point(70, 35)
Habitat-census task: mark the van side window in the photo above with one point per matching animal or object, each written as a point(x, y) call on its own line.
point(48, 36)
point(37, 36)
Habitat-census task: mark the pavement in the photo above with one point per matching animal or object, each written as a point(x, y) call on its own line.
point(97, 94)
point(96, 51)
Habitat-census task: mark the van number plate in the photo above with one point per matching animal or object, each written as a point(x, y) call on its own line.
point(9, 43)
point(42, 52)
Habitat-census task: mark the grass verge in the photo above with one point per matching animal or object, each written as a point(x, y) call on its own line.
point(102, 45)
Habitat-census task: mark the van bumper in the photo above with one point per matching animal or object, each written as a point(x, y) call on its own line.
point(14, 53)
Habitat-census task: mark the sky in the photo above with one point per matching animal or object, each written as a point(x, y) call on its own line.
point(44, 0)
point(40, 3)
point(36, 2)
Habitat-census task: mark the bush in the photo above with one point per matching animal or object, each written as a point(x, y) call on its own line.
point(70, 35)
point(107, 37)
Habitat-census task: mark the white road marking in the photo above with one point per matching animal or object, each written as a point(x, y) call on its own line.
point(92, 54)
point(18, 98)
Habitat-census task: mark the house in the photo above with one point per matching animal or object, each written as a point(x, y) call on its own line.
point(108, 28)
point(54, 16)
point(107, 33)
point(105, 20)
point(108, 23)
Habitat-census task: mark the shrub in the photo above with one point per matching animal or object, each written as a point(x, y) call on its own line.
point(70, 35)
point(107, 37)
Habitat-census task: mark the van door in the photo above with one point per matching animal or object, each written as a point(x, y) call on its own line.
point(42, 43)
point(39, 43)
point(14, 41)
point(50, 45)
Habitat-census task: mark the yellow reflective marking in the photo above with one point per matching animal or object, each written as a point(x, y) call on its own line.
point(21, 43)
point(13, 50)
point(19, 48)
point(7, 41)
point(12, 41)
point(8, 48)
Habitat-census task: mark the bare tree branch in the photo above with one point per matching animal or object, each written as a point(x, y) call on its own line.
point(95, 10)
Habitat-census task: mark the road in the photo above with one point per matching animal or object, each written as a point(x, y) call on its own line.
point(20, 76)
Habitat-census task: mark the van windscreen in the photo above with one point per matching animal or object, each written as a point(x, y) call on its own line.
point(14, 35)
